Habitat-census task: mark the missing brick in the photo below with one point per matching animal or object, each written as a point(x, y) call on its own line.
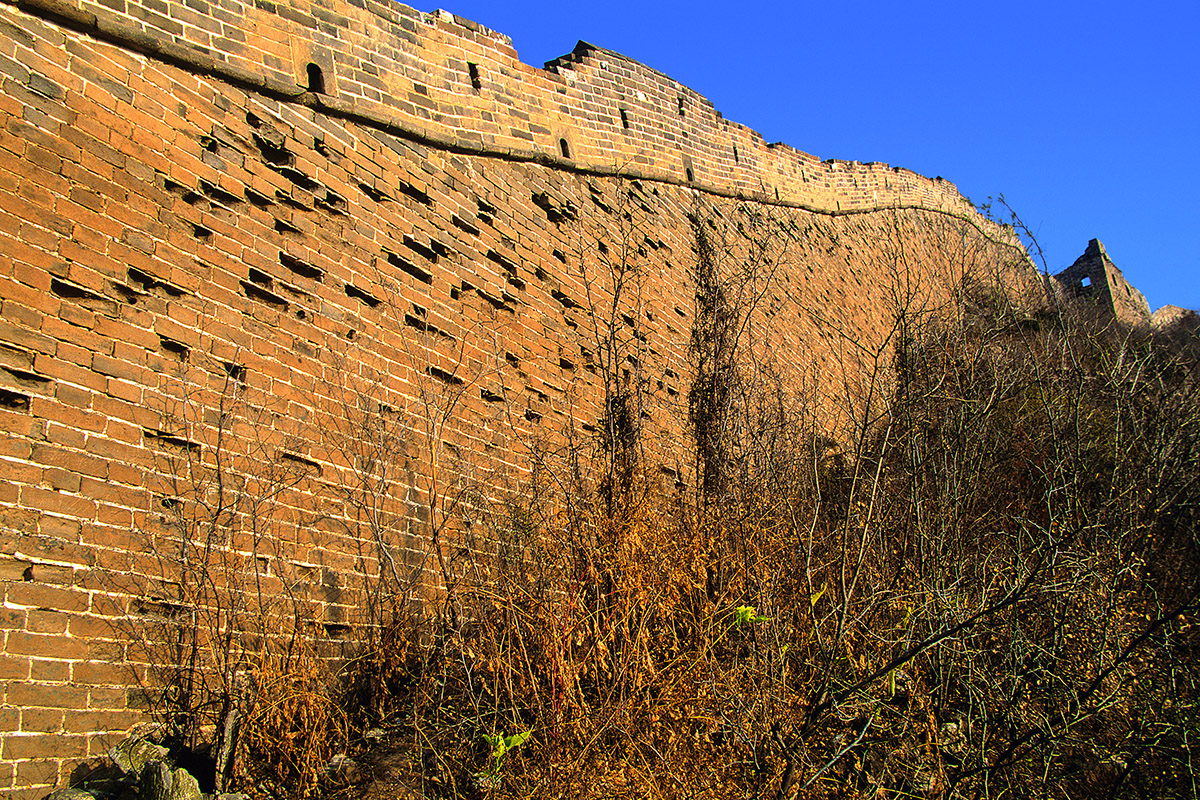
point(263, 296)
point(235, 372)
point(283, 226)
point(219, 195)
point(150, 283)
point(177, 350)
point(257, 198)
point(409, 268)
point(306, 463)
point(416, 193)
point(14, 401)
point(163, 438)
point(373, 193)
point(444, 376)
point(300, 268)
point(463, 225)
point(332, 202)
point(366, 298)
point(422, 250)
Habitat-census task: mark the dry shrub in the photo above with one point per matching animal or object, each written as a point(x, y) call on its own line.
point(995, 596)
point(294, 724)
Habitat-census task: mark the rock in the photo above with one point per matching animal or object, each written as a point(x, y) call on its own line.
point(345, 770)
point(67, 793)
point(133, 754)
point(160, 782)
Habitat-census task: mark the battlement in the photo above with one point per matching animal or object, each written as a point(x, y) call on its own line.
point(440, 78)
point(1095, 278)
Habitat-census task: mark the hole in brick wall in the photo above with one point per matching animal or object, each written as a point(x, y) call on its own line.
point(624, 120)
point(561, 256)
point(690, 176)
point(300, 268)
point(420, 249)
point(283, 226)
point(316, 78)
point(489, 396)
point(564, 148)
point(209, 143)
point(602, 247)
point(565, 364)
point(476, 80)
point(235, 372)
point(295, 458)
point(263, 296)
point(336, 630)
point(332, 202)
point(455, 293)
point(555, 212)
point(420, 195)
point(463, 225)
point(69, 291)
point(600, 203)
point(175, 349)
point(409, 268)
point(439, 248)
point(261, 278)
point(485, 207)
point(258, 198)
point(187, 195)
point(532, 415)
point(200, 232)
point(562, 298)
point(149, 283)
point(512, 360)
point(495, 302)
point(287, 199)
point(162, 437)
point(363, 297)
point(14, 401)
point(540, 273)
point(299, 178)
point(776, 193)
point(252, 120)
point(373, 193)
point(681, 105)
point(444, 376)
point(126, 293)
point(419, 323)
point(320, 147)
point(218, 194)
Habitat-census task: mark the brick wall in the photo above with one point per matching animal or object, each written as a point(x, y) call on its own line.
point(201, 261)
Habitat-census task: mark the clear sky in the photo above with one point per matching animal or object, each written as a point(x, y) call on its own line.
point(1084, 115)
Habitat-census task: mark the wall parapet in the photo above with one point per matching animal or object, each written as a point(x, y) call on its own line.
point(439, 79)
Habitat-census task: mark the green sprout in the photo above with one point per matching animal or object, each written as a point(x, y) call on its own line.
point(500, 746)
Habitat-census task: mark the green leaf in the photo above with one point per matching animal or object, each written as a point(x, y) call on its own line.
point(517, 739)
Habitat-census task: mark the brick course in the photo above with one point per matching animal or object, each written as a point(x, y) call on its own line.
point(184, 226)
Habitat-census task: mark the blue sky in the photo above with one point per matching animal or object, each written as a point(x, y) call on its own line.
point(1085, 116)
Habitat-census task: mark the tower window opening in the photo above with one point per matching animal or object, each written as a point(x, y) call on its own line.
point(1085, 282)
point(681, 105)
point(476, 80)
point(690, 176)
point(316, 79)
point(624, 120)
point(565, 148)
point(736, 160)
